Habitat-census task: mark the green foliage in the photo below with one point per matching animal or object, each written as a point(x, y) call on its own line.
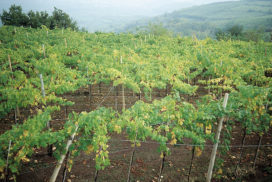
point(157, 30)
point(16, 17)
point(235, 30)
point(76, 59)
point(60, 19)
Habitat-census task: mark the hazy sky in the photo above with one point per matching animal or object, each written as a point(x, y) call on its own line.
point(105, 14)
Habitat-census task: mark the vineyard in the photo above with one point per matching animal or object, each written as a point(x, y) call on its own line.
point(76, 106)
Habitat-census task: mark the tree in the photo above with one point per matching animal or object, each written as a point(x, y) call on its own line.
point(37, 19)
point(60, 19)
point(157, 29)
point(34, 20)
point(14, 16)
point(221, 35)
point(235, 30)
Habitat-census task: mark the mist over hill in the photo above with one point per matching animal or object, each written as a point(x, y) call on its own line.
point(106, 15)
point(205, 20)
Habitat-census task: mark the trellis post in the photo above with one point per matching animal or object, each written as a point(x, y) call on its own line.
point(215, 146)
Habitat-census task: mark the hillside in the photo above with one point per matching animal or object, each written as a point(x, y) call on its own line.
point(204, 20)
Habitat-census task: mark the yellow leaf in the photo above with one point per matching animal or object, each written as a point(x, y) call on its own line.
point(69, 130)
point(2, 169)
point(173, 135)
point(180, 122)
point(209, 129)
point(199, 125)
point(163, 109)
point(173, 142)
point(25, 159)
point(220, 171)
point(138, 144)
point(90, 149)
point(70, 162)
point(161, 156)
point(117, 129)
point(198, 151)
point(2, 175)
point(115, 52)
point(25, 133)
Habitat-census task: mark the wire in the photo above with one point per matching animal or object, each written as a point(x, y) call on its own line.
point(104, 98)
point(198, 145)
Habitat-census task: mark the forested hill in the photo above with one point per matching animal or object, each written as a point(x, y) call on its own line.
point(204, 20)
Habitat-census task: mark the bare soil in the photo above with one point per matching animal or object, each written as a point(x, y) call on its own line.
point(147, 161)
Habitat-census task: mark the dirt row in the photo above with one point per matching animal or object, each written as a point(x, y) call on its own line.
point(147, 161)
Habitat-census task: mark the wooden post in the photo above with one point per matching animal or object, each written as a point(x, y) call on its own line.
point(90, 93)
point(97, 171)
point(123, 90)
point(217, 137)
point(90, 87)
point(162, 166)
point(131, 158)
point(257, 151)
point(9, 63)
point(58, 166)
point(123, 96)
point(116, 98)
point(241, 153)
point(96, 175)
point(18, 111)
point(191, 165)
point(50, 147)
point(65, 112)
point(42, 85)
point(6, 171)
point(65, 167)
point(15, 116)
point(65, 41)
point(43, 50)
point(209, 89)
point(100, 88)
